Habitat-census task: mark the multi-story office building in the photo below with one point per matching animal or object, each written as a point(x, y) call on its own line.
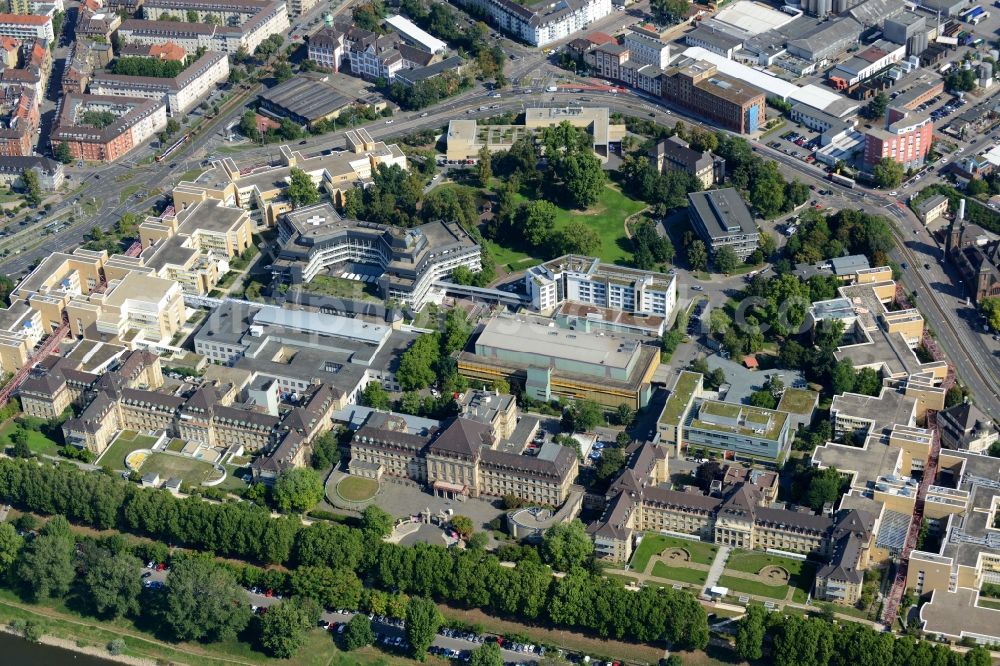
point(691, 421)
point(549, 362)
point(137, 120)
point(543, 24)
point(465, 138)
point(316, 239)
point(906, 139)
point(721, 218)
point(699, 87)
point(181, 93)
point(263, 189)
point(646, 47)
point(587, 281)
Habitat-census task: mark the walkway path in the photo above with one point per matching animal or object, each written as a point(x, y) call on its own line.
point(718, 566)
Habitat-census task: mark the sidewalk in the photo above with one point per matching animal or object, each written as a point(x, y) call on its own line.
point(718, 566)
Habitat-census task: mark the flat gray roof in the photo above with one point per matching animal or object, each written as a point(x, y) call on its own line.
point(722, 212)
point(957, 614)
point(324, 324)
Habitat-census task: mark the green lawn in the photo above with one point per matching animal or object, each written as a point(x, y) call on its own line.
point(510, 259)
point(37, 442)
point(680, 574)
point(989, 603)
point(357, 489)
point(802, 572)
point(126, 443)
point(127, 192)
point(606, 217)
point(188, 469)
point(341, 288)
point(753, 587)
point(654, 544)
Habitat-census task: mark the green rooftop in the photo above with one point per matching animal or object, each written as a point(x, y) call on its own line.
point(775, 419)
point(680, 397)
point(798, 401)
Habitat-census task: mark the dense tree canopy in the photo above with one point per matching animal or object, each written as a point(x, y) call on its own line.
point(567, 545)
point(203, 602)
point(297, 489)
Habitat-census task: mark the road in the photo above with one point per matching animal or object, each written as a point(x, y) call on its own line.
point(972, 354)
point(380, 628)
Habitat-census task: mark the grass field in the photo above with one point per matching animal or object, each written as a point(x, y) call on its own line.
point(990, 603)
point(654, 544)
point(190, 470)
point(126, 443)
point(606, 217)
point(341, 288)
point(752, 561)
point(753, 587)
point(681, 575)
point(357, 489)
point(37, 442)
point(127, 192)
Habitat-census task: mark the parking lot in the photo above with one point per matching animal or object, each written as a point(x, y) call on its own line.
point(799, 143)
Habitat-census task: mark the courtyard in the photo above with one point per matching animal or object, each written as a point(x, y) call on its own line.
point(766, 575)
point(189, 470)
point(125, 443)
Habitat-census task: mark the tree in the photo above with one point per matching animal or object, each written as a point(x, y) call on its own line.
point(202, 601)
point(47, 561)
point(697, 255)
point(750, 633)
point(19, 436)
point(297, 489)
point(843, 377)
point(325, 451)
point(536, 222)
point(707, 473)
point(32, 187)
point(301, 189)
point(422, 623)
point(484, 167)
point(624, 414)
point(612, 461)
point(877, 106)
point(358, 633)
point(583, 416)
point(282, 71)
point(375, 396)
point(376, 522)
point(725, 259)
point(10, 547)
point(416, 365)
point(575, 238)
point(566, 545)
point(867, 382)
point(63, 153)
point(463, 525)
point(337, 587)
point(113, 583)
point(887, 173)
point(990, 306)
point(487, 654)
point(763, 399)
point(283, 628)
point(670, 11)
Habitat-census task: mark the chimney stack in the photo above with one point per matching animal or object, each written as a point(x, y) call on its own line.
point(961, 211)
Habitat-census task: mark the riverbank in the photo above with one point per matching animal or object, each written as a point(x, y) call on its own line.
point(72, 646)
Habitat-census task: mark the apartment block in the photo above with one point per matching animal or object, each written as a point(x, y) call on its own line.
point(906, 139)
point(699, 87)
point(181, 93)
point(26, 26)
point(544, 24)
point(136, 121)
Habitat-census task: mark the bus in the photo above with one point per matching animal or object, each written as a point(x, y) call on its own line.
point(843, 180)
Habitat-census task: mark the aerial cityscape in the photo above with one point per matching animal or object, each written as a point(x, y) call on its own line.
point(500, 332)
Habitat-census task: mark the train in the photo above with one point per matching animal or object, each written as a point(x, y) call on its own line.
point(842, 180)
point(172, 147)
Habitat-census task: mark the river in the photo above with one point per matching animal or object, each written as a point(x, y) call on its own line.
point(19, 652)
